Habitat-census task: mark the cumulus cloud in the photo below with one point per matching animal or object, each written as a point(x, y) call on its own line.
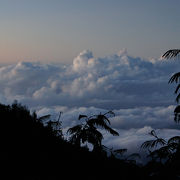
point(116, 81)
point(136, 89)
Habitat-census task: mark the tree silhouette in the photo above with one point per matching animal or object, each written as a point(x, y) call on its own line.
point(88, 130)
point(160, 149)
point(175, 79)
point(153, 143)
point(56, 126)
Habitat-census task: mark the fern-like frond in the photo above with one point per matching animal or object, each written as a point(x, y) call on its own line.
point(103, 118)
point(177, 114)
point(111, 131)
point(175, 139)
point(177, 89)
point(177, 98)
point(164, 152)
point(147, 144)
point(153, 133)
point(160, 142)
point(99, 122)
point(174, 78)
point(153, 143)
point(110, 112)
point(93, 136)
point(171, 53)
point(74, 129)
point(173, 146)
point(177, 117)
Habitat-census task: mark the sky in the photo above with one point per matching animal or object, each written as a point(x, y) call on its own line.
point(92, 56)
point(58, 30)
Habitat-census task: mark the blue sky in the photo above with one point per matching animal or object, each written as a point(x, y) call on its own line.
point(57, 30)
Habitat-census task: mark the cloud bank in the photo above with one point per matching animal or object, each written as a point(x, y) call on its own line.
point(116, 81)
point(136, 89)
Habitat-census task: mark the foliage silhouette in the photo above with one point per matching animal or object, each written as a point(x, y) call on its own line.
point(33, 149)
point(175, 79)
point(171, 53)
point(153, 143)
point(119, 153)
point(88, 130)
point(165, 154)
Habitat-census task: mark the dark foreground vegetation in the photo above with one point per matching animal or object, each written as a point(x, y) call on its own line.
point(32, 150)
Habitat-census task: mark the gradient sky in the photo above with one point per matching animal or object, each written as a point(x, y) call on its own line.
point(57, 30)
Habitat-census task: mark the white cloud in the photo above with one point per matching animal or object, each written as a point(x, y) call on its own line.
point(116, 81)
point(133, 124)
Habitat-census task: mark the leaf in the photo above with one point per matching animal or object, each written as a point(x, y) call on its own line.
point(103, 118)
point(101, 122)
point(175, 139)
point(110, 112)
point(177, 114)
point(177, 117)
point(74, 129)
point(147, 144)
point(173, 146)
point(153, 143)
point(93, 136)
point(177, 89)
point(174, 78)
point(171, 53)
point(177, 98)
point(92, 122)
point(160, 142)
point(82, 116)
point(177, 109)
point(153, 133)
point(163, 152)
point(111, 131)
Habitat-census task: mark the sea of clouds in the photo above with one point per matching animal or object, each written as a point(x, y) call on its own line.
point(136, 89)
